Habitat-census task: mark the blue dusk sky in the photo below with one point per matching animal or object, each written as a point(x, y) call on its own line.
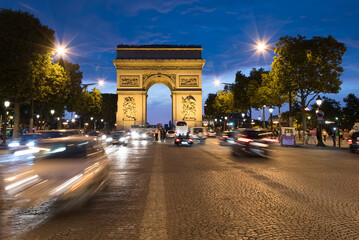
point(226, 30)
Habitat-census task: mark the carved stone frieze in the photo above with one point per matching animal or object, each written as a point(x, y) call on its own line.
point(188, 81)
point(129, 81)
point(189, 108)
point(129, 108)
point(158, 75)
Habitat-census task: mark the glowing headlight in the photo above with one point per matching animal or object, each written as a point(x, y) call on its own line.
point(144, 135)
point(109, 139)
point(135, 135)
point(122, 139)
point(14, 144)
point(30, 144)
point(103, 137)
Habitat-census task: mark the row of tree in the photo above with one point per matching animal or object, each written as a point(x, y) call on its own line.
point(30, 78)
point(301, 70)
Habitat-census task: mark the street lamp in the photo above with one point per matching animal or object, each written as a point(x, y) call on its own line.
point(271, 118)
point(263, 115)
point(320, 116)
point(6, 104)
point(243, 115)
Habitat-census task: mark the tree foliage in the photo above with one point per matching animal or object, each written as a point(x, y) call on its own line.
point(91, 103)
point(22, 40)
point(309, 67)
point(209, 108)
point(224, 102)
point(351, 110)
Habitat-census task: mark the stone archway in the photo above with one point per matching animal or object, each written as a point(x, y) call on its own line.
point(140, 67)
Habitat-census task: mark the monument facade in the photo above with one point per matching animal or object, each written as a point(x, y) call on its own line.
point(142, 66)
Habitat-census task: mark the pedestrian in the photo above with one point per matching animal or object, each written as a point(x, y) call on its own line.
point(325, 135)
point(156, 134)
point(334, 137)
point(313, 136)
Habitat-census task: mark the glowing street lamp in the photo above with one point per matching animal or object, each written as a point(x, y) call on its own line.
point(6, 104)
point(319, 102)
point(52, 112)
point(271, 117)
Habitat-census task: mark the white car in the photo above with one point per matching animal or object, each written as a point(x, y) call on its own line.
point(171, 134)
point(212, 134)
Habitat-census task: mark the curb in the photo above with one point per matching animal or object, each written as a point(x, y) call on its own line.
point(322, 148)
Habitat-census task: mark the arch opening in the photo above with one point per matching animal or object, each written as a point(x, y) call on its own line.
point(159, 104)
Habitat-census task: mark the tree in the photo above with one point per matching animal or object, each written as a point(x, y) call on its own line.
point(309, 67)
point(75, 77)
point(91, 103)
point(109, 108)
point(224, 102)
point(240, 93)
point(22, 40)
point(351, 110)
point(210, 108)
point(273, 91)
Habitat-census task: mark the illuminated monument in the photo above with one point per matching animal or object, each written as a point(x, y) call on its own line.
point(142, 66)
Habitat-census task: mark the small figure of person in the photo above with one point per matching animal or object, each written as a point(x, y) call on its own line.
point(156, 134)
point(313, 134)
point(334, 138)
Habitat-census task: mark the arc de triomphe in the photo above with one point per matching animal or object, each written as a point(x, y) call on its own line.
point(142, 66)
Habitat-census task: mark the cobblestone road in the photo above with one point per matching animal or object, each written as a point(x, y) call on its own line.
point(159, 191)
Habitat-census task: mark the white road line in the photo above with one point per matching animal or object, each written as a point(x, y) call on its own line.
point(153, 225)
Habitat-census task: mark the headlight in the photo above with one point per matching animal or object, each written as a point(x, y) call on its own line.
point(30, 144)
point(109, 139)
point(144, 135)
point(14, 144)
point(103, 137)
point(122, 139)
point(135, 135)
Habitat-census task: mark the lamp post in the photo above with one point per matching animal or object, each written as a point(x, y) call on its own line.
point(6, 105)
point(271, 118)
point(52, 116)
point(263, 115)
point(320, 116)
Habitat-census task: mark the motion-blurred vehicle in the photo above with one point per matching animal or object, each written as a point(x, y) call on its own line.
point(183, 140)
point(181, 128)
point(253, 142)
point(212, 134)
point(119, 138)
point(60, 133)
point(354, 142)
point(199, 134)
point(99, 136)
point(139, 135)
point(26, 141)
point(71, 168)
point(227, 138)
point(171, 134)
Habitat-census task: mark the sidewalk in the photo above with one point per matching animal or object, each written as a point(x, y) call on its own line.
point(328, 144)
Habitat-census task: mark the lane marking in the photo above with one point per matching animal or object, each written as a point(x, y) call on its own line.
point(153, 225)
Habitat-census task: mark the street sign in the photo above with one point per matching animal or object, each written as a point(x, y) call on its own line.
point(320, 114)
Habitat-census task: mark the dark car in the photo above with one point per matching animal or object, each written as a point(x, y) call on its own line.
point(183, 140)
point(253, 142)
point(119, 138)
point(227, 138)
point(354, 142)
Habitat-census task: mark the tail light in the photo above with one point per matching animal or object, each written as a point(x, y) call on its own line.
point(270, 140)
point(350, 141)
point(190, 140)
point(247, 140)
point(225, 136)
point(178, 140)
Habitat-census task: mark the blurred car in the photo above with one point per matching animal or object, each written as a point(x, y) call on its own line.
point(99, 136)
point(183, 140)
point(354, 142)
point(140, 135)
point(70, 168)
point(227, 138)
point(59, 133)
point(26, 141)
point(212, 134)
point(171, 134)
point(199, 134)
point(253, 142)
point(120, 138)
